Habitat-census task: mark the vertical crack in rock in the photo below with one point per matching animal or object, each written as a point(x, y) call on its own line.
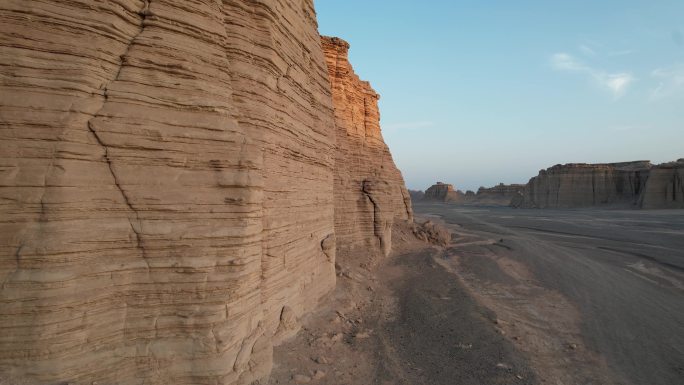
point(381, 216)
point(407, 200)
point(17, 258)
point(144, 12)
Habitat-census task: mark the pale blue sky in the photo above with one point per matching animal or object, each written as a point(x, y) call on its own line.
point(480, 92)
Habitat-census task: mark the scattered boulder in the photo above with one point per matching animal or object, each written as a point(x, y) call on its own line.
point(431, 232)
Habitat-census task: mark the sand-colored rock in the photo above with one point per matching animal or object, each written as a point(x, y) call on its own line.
point(665, 187)
point(587, 185)
point(443, 192)
point(166, 187)
point(369, 189)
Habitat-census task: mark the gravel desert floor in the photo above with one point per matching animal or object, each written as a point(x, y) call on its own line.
point(519, 297)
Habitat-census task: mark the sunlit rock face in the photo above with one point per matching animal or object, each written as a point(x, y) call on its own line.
point(369, 189)
point(166, 185)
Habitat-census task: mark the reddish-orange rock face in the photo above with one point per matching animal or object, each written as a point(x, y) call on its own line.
point(369, 189)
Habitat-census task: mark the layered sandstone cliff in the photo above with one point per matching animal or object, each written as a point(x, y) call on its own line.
point(610, 185)
point(166, 187)
point(369, 189)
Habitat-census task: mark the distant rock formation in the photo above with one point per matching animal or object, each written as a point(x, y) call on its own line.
point(636, 184)
point(664, 187)
point(442, 192)
point(416, 195)
point(499, 195)
point(369, 189)
point(169, 199)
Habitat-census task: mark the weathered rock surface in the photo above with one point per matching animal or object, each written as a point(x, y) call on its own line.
point(664, 187)
point(630, 184)
point(369, 189)
point(166, 187)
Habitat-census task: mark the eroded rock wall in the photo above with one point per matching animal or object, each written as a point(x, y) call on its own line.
point(369, 190)
point(664, 187)
point(586, 185)
point(166, 187)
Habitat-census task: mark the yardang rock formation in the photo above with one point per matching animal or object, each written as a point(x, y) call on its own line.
point(175, 180)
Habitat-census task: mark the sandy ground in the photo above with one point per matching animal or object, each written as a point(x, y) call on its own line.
point(519, 297)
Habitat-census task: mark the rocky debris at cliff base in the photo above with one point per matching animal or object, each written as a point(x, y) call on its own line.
point(369, 330)
point(431, 232)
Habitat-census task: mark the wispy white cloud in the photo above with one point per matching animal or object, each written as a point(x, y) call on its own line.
point(566, 62)
point(616, 83)
point(408, 125)
point(670, 81)
point(587, 50)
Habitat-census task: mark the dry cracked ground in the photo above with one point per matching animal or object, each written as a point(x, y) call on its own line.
point(518, 297)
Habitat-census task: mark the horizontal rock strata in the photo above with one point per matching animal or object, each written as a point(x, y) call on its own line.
point(369, 189)
point(166, 187)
